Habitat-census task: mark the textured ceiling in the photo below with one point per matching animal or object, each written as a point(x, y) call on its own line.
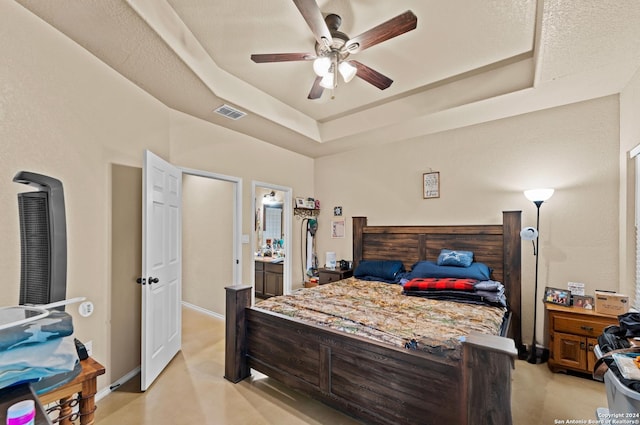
point(466, 62)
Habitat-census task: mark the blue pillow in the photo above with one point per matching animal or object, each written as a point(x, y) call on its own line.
point(478, 271)
point(383, 270)
point(449, 257)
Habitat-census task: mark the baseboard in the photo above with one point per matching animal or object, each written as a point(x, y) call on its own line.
point(202, 310)
point(106, 391)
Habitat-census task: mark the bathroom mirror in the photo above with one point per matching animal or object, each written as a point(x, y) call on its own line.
point(272, 221)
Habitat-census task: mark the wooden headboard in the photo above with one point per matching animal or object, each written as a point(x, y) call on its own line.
point(497, 245)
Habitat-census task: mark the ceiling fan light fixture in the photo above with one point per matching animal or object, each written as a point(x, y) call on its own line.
point(347, 71)
point(321, 66)
point(333, 47)
point(328, 81)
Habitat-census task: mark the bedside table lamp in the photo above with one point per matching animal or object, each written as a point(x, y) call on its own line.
point(537, 196)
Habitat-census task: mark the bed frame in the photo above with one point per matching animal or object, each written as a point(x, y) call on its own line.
point(381, 384)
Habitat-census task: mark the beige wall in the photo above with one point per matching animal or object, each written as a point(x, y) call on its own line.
point(126, 266)
point(207, 239)
point(483, 171)
point(199, 145)
point(65, 114)
point(629, 139)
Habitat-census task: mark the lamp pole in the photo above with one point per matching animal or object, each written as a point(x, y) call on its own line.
point(533, 354)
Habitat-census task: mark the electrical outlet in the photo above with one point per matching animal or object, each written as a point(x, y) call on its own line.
point(89, 346)
point(86, 309)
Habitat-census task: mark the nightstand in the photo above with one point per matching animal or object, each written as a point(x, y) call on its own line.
point(572, 334)
point(329, 275)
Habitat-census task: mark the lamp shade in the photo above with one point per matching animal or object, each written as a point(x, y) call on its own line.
point(538, 194)
point(321, 66)
point(529, 233)
point(328, 81)
point(347, 71)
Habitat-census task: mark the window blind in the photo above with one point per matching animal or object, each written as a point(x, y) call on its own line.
point(635, 154)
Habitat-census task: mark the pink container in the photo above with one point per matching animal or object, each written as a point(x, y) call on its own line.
point(22, 413)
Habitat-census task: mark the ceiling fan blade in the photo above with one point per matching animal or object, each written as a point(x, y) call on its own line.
point(389, 29)
point(316, 89)
point(282, 57)
point(371, 76)
point(312, 14)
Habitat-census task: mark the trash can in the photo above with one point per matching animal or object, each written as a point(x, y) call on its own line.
point(620, 398)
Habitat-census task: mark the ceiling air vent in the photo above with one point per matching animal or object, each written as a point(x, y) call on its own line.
point(229, 112)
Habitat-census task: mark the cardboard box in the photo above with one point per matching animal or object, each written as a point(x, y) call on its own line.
point(611, 303)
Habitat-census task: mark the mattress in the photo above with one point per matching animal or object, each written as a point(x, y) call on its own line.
point(379, 311)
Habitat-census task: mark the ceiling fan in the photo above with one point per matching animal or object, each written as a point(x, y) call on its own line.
point(333, 48)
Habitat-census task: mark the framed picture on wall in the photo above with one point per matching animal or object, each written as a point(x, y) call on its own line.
point(431, 185)
point(337, 228)
point(300, 203)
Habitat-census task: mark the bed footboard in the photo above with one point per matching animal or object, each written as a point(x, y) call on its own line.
point(368, 380)
point(489, 361)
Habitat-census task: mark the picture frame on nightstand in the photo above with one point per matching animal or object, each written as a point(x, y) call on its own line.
point(582, 301)
point(557, 296)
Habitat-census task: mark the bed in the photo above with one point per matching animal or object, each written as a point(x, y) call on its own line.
point(381, 383)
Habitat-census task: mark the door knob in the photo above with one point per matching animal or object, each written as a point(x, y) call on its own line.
point(141, 280)
point(153, 280)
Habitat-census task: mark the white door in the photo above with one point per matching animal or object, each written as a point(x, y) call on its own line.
point(161, 266)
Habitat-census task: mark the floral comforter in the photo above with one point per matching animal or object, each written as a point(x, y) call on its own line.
point(381, 312)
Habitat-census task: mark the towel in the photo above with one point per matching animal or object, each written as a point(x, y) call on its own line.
point(34, 362)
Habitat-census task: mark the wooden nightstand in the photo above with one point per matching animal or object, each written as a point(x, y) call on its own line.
point(329, 275)
point(572, 334)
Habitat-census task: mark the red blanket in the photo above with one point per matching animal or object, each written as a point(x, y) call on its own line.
point(440, 283)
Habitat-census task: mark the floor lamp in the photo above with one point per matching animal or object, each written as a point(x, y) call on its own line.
point(537, 196)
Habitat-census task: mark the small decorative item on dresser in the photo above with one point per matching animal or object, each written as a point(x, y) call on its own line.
point(557, 296)
point(582, 301)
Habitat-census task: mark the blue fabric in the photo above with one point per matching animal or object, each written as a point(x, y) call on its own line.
point(37, 361)
point(57, 324)
point(449, 257)
point(478, 271)
point(389, 271)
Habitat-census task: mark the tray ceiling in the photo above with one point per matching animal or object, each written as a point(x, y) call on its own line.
point(466, 62)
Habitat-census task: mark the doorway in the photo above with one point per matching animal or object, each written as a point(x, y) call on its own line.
point(272, 234)
point(207, 234)
point(126, 248)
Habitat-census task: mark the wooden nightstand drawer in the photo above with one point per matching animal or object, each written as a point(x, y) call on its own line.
point(578, 326)
point(273, 267)
point(328, 275)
